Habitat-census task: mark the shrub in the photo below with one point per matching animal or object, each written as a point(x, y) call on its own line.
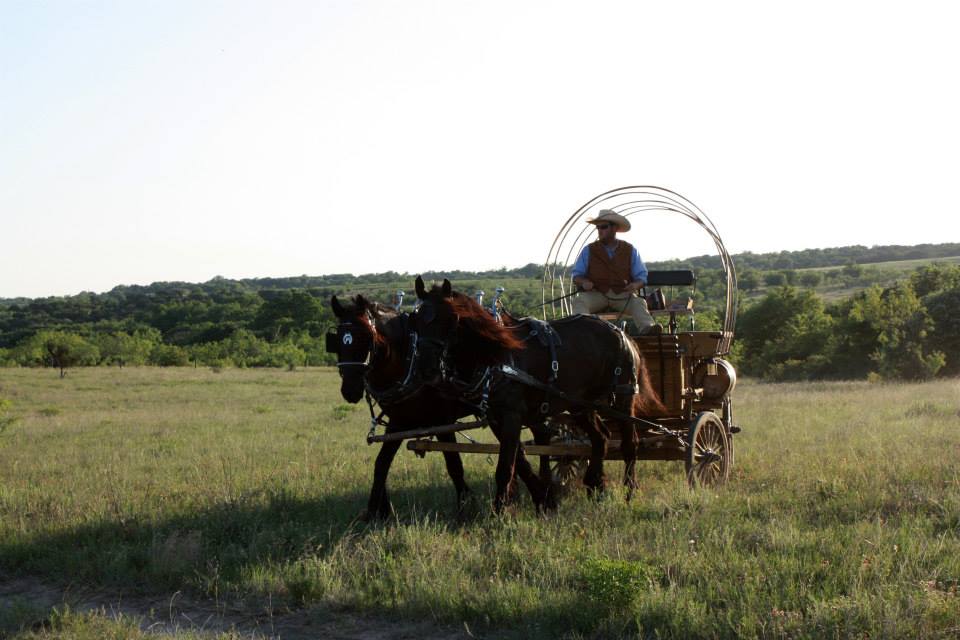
point(168, 355)
point(614, 583)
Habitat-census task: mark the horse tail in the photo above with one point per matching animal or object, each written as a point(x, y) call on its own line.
point(646, 402)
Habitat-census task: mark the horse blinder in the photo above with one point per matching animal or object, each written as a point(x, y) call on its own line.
point(333, 342)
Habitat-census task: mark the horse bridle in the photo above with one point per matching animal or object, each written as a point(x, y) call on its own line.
point(442, 344)
point(343, 335)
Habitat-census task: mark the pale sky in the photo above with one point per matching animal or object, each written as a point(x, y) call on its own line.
point(166, 140)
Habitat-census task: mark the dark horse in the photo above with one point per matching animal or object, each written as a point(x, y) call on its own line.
point(373, 347)
point(591, 364)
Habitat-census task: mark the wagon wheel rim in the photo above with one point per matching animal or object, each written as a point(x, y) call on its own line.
point(709, 454)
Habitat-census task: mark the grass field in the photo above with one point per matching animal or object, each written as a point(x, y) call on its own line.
point(241, 488)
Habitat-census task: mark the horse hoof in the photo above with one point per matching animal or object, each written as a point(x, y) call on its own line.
point(597, 492)
point(550, 499)
point(467, 509)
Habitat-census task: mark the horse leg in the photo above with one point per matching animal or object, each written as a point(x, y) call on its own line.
point(379, 504)
point(506, 463)
point(594, 478)
point(524, 470)
point(455, 471)
point(539, 491)
point(628, 446)
point(541, 436)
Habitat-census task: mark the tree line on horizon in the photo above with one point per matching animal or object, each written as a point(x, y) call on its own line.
point(776, 261)
point(899, 330)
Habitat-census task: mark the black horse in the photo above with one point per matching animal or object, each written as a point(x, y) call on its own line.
point(376, 354)
point(583, 364)
point(373, 347)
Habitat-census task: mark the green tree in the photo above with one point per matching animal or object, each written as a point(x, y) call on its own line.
point(61, 350)
point(247, 350)
point(944, 310)
point(125, 349)
point(168, 355)
point(856, 336)
point(774, 279)
point(852, 271)
point(314, 350)
point(284, 311)
point(811, 279)
point(932, 278)
point(901, 324)
point(286, 354)
point(749, 280)
point(211, 354)
point(784, 335)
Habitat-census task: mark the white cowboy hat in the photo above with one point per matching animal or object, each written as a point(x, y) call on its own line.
point(608, 215)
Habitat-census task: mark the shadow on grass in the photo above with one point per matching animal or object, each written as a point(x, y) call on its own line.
point(214, 551)
point(209, 549)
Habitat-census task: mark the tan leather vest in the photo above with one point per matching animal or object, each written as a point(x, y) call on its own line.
point(608, 273)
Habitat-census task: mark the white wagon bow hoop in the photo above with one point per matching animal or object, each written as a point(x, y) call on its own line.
point(557, 286)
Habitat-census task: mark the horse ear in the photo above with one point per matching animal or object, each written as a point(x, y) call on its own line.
point(421, 290)
point(337, 307)
point(361, 302)
point(447, 288)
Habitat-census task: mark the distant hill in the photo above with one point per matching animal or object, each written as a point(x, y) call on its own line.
point(190, 313)
point(810, 258)
point(807, 258)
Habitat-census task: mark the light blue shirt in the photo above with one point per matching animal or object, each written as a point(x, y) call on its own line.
point(638, 270)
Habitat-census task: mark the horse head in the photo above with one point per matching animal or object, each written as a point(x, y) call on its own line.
point(435, 323)
point(354, 341)
point(456, 335)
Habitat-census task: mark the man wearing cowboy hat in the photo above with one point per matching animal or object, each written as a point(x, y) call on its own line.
point(609, 272)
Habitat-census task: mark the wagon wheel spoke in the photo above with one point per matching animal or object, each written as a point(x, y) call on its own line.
point(566, 469)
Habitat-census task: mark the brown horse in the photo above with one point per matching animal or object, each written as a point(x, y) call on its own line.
point(591, 364)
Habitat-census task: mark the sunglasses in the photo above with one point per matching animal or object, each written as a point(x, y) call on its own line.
point(605, 226)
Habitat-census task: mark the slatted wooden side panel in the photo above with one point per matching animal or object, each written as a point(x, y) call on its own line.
point(663, 360)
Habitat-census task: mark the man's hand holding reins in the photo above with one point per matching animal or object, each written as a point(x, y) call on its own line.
point(583, 283)
point(635, 286)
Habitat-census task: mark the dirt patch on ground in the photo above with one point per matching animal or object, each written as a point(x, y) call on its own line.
point(177, 612)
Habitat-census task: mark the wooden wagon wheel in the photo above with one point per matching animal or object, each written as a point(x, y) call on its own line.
point(567, 470)
point(709, 451)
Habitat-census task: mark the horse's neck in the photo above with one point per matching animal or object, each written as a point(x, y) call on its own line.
point(387, 366)
point(474, 350)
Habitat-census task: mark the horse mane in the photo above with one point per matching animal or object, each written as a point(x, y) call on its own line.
point(481, 322)
point(358, 309)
